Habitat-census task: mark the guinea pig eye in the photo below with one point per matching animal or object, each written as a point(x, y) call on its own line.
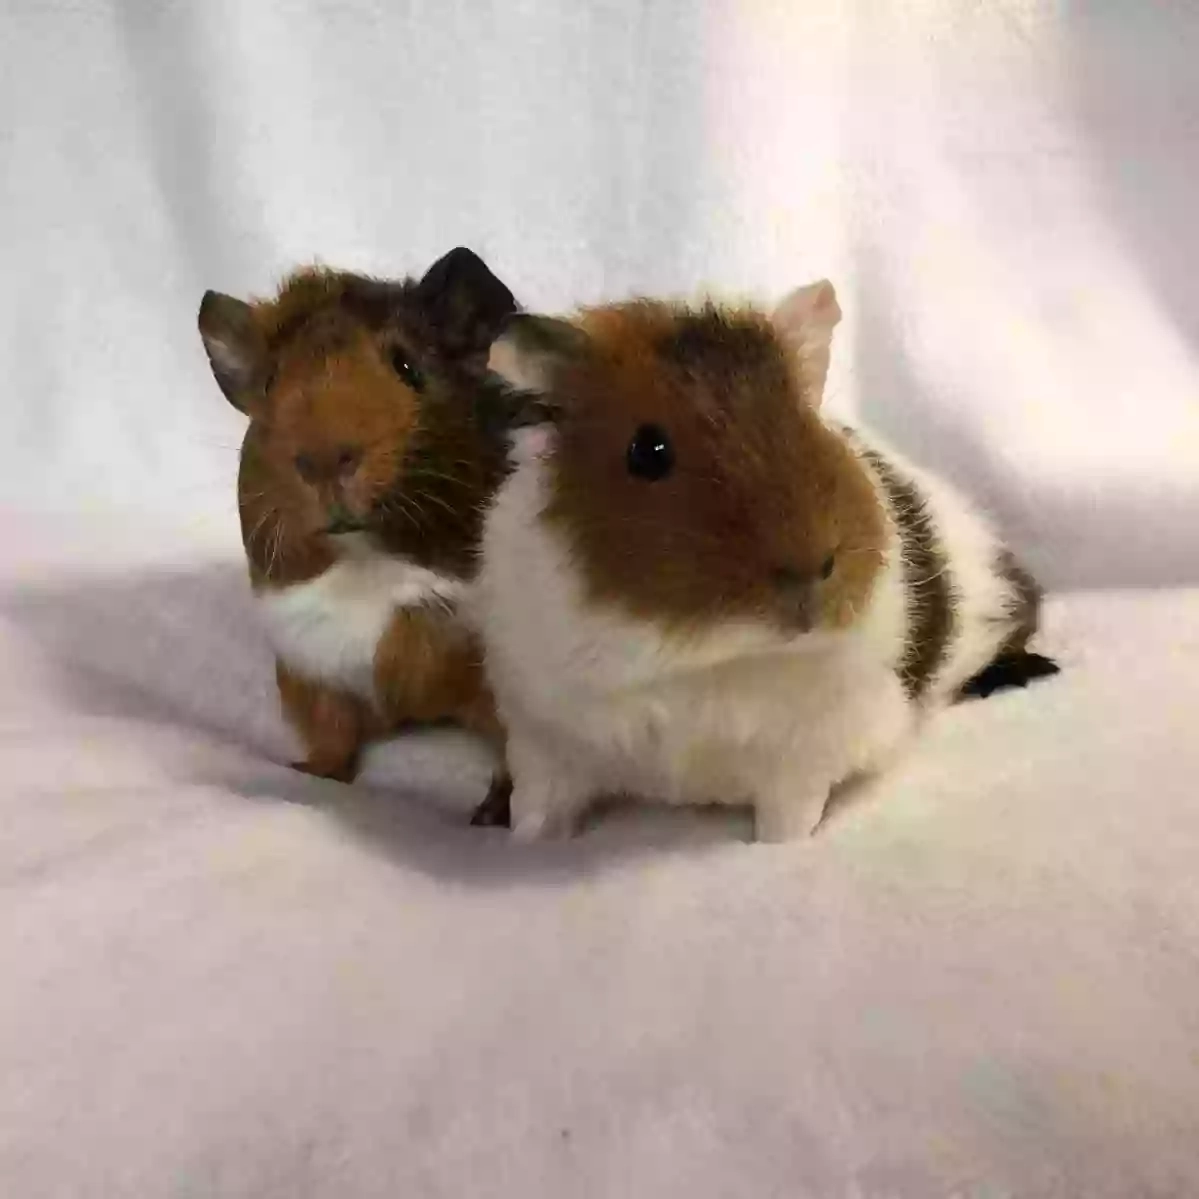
point(650, 455)
point(408, 374)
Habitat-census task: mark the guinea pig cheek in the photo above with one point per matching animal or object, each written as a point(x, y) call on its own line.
point(855, 570)
point(375, 475)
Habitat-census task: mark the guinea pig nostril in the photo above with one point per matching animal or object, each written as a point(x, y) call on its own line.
point(348, 458)
point(828, 566)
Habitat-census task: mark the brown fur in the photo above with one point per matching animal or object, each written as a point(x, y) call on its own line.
point(319, 386)
point(762, 496)
point(428, 669)
point(333, 725)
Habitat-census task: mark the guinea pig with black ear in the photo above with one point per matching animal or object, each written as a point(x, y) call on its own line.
point(695, 589)
point(364, 472)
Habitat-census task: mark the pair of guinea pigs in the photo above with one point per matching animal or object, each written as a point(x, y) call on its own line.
point(626, 548)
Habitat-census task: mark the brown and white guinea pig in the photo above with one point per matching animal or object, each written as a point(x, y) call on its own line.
point(363, 476)
point(696, 589)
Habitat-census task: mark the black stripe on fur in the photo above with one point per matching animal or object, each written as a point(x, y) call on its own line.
point(925, 578)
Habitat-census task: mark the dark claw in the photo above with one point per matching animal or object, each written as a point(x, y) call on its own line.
point(496, 809)
point(1006, 672)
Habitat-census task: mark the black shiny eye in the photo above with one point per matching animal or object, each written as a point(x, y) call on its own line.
point(650, 455)
point(409, 374)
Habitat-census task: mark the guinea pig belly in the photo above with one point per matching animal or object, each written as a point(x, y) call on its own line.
point(328, 628)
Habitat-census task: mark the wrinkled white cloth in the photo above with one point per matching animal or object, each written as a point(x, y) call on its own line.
point(223, 978)
point(219, 978)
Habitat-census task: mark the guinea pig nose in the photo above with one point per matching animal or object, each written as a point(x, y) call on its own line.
point(348, 458)
point(797, 592)
point(789, 578)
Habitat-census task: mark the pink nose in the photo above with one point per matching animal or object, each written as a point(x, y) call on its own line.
point(798, 592)
point(326, 465)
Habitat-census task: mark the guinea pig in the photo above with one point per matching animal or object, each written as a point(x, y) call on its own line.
point(363, 475)
point(696, 589)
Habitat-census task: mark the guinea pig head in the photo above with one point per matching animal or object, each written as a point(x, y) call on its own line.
point(340, 374)
point(688, 467)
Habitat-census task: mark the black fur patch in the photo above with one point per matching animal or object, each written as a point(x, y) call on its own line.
point(718, 343)
point(496, 809)
point(1026, 608)
point(1016, 669)
point(926, 580)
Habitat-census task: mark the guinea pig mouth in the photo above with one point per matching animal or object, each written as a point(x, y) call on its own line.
point(342, 521)
point(797, 622)
point(797, 604)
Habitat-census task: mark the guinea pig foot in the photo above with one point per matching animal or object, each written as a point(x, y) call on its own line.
point(530, 828)
point(337, 772)
point(496, 809)
point(788, 818)
point(543, 824)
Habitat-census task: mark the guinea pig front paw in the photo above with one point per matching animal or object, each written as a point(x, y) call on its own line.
point(337, 770)
point(533, 820)
point(789, 817)
point(532, 826)
point(547, 794)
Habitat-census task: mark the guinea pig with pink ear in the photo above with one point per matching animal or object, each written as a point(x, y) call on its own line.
point(695, 589)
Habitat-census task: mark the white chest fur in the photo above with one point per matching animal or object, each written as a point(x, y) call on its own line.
point(327, 628)
point(595, 702)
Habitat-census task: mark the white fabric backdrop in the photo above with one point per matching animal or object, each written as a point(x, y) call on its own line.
point(220, 979)
point(1004, 194)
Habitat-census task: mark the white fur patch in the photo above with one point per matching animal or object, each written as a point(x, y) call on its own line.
point(327, 628)
point(596, 702)
point(981, 596)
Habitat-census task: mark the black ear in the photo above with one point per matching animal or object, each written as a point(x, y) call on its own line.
point(236, 348)
point(465, 303)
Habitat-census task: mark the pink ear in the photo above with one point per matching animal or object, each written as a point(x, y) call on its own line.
point(805, 320)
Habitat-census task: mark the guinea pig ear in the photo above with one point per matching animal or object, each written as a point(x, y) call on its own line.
point(464, 302)
point(805, 321)
point(236, 348)
point(526, 356)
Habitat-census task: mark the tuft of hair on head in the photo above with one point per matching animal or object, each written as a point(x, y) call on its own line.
point(804, 321)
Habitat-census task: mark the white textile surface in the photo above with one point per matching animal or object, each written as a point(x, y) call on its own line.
point(224, 979)
point(221, 979)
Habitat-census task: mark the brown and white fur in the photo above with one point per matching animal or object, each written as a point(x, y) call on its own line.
point(764, 608)
point(363, 476)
